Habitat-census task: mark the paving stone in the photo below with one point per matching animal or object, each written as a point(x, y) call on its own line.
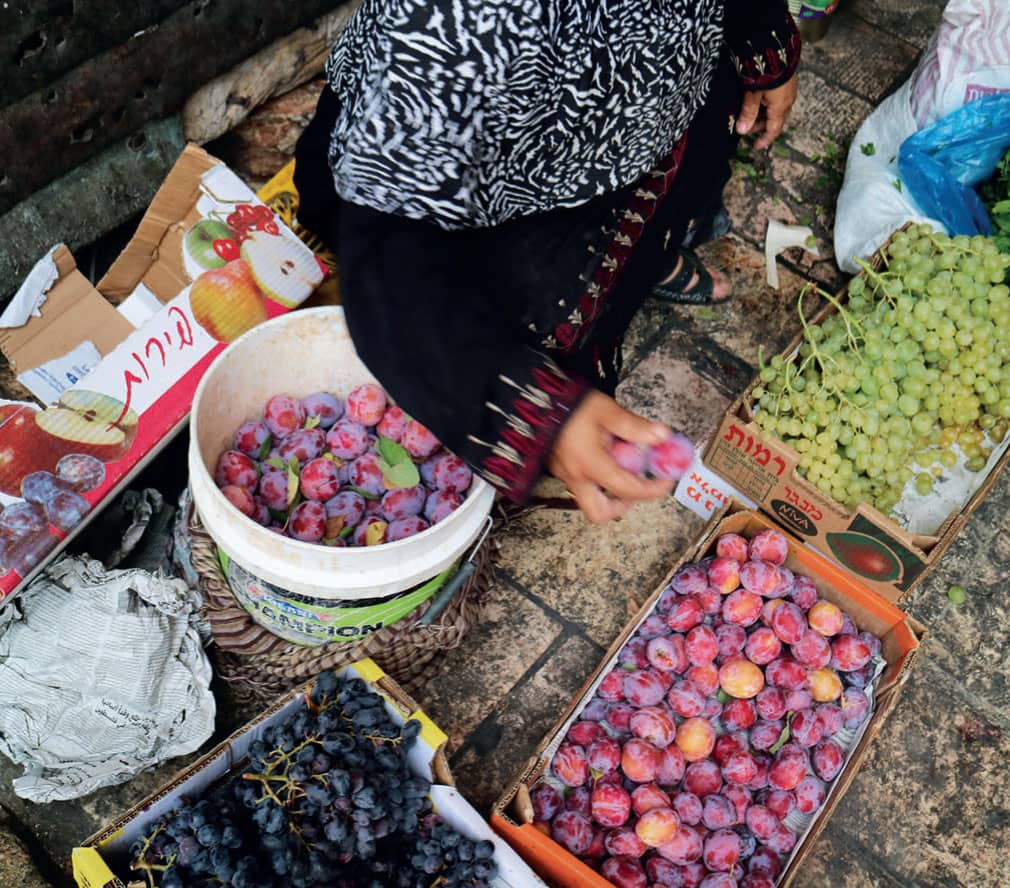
point(968, 641)
point(757, 315)
point(684, 382)
point(512, 634)
point(500, 748)
point(16, 865)
point(836, 861)
point(858, 56)
point(824, 271)
point(927, 803)
point(646, 327)
point(598, 576)
point(789, 188)
point(823, 113)
point(58, 827)
point(751, 204)
point(911, 20)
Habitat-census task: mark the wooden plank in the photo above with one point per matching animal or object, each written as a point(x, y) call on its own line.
point(108, 97)
point(95, 198)
point(43, 39)
point(222, 104)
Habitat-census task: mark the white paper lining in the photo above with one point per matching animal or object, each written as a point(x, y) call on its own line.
point(50, 380)
point(951, 491)
point(28, 300)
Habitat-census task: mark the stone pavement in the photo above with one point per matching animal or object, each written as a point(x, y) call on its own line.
point(931, 806)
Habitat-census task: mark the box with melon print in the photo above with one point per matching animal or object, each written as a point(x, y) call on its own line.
point(692, 751)
point(890, 546)
point(113, 367)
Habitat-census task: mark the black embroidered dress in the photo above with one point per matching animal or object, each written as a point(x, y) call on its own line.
point(503, 182)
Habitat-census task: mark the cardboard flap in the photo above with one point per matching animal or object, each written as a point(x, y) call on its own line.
point(73, 312)
point(148, 257)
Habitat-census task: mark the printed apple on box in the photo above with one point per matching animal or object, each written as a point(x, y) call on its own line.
point(209, 261)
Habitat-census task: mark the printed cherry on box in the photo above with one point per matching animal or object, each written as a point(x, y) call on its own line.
point(115, 367)
point(514, 817)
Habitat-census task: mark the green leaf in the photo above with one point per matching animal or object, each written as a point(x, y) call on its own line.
point(810, 242)
point(897, 184)
point(1001, 206)
point(364, 493)
point(294, 466)
point(346, 532)
point(391, 452)
point(723, 697)
point(292, 487)
point(277, 463)
point(311, 422)
point(780, 150)
point(278, 516)
point(868, 148)
point(401, 475)
point(783, 738)
point(268, 442)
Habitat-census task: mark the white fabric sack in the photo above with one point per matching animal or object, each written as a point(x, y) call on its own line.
point(968, 57)
point(102, 675)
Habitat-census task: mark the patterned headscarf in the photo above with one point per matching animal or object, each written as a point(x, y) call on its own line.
point(471, 112)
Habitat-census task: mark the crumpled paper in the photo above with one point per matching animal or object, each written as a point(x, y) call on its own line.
point(102, 675)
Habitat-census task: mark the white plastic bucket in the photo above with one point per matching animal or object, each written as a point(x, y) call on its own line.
point(295, 589)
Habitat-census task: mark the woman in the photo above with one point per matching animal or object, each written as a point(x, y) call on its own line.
point(505, 182)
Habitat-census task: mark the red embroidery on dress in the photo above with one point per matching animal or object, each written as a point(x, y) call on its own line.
point(633, 222)
point(774, 65)
point(516, 473)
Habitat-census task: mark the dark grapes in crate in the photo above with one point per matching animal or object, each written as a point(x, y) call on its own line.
point(325, 799)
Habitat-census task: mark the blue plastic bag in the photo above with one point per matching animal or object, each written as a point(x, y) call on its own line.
point(940, 164)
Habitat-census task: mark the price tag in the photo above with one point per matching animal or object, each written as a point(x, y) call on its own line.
point(703, 491)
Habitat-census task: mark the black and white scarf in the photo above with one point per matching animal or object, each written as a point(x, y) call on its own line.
point(471, 112)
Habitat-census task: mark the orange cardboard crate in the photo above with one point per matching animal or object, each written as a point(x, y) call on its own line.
point(512, 815)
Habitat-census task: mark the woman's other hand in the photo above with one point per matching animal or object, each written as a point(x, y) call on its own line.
point(766, 112)
point(580, 458)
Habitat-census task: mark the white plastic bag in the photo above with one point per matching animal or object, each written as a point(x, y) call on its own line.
point(968, 57)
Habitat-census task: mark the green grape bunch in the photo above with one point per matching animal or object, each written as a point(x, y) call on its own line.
point(916, 361)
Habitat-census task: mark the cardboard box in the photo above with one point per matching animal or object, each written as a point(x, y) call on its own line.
point(890, 560)
point(102, 861)
point(114, 367)
point(512, 816)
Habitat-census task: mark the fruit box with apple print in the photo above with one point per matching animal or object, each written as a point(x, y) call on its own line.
point(114, 367)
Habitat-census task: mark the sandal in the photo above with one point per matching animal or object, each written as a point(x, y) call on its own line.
point(679, 288)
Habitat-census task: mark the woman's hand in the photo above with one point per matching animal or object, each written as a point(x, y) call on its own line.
point(580, 458)
point(767, 111)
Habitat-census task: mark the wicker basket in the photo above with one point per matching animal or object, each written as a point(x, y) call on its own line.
point(260, 665)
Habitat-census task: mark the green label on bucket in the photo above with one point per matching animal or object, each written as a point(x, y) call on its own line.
point(312, 621)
